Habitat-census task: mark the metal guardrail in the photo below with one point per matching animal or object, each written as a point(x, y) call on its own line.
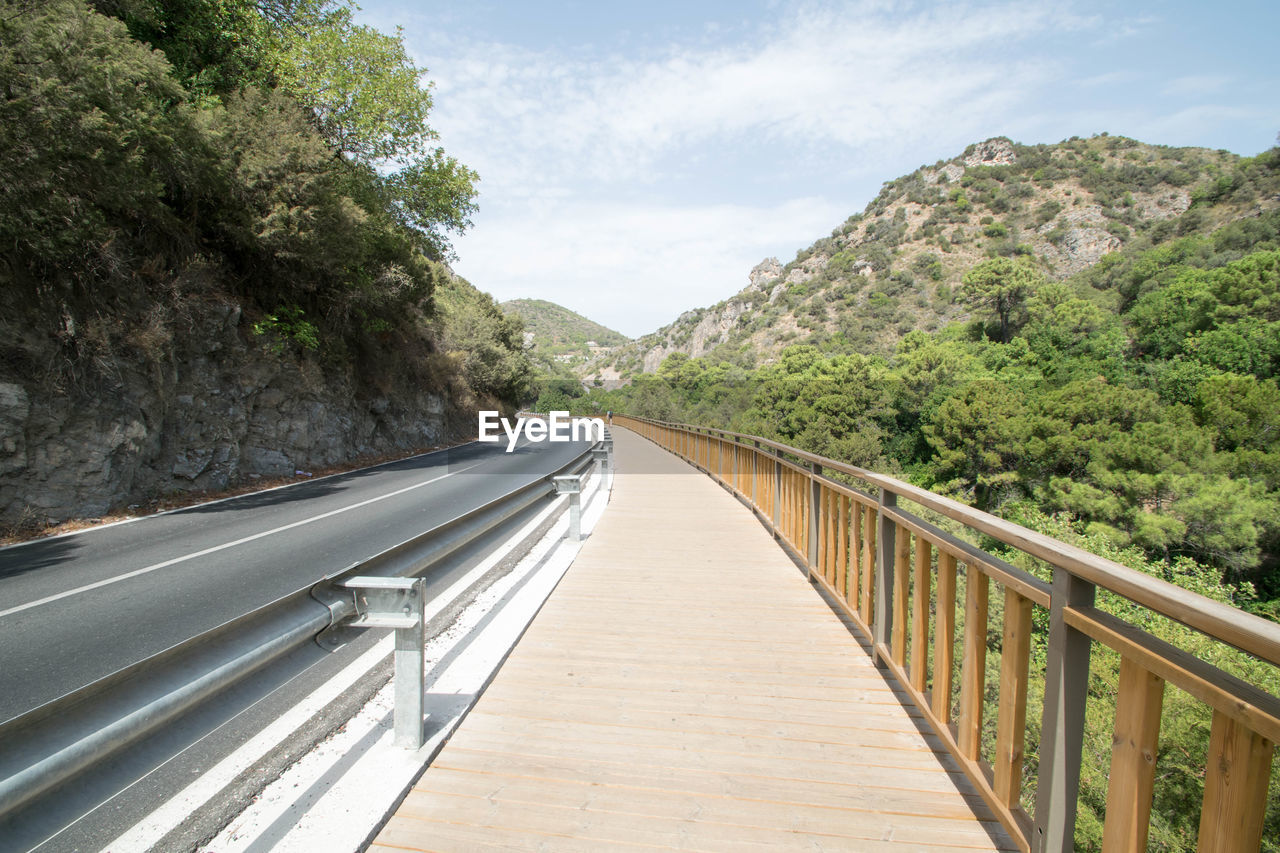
point(895, 574)
point(55, 742)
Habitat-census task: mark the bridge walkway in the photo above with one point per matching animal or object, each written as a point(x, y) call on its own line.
point(686, 687)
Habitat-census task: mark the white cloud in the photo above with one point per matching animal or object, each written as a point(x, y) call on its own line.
point(633, 185)
point(635, 267)
point(1109, 78)
point(1196, 85)
point(854, 77)
point(598, 171)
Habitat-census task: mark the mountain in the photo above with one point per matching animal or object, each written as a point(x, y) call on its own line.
point(561, 340)
point(898, 265)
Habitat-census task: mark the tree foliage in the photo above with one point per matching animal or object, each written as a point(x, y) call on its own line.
point(1157, 427)
point(275, 145)
point(1002, 285)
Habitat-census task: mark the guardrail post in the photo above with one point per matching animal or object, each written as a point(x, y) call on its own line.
point(601, 456)
point(886, 538)
point(571, 485)
point(397, 603)
point(1066, 684)
point(815, 510)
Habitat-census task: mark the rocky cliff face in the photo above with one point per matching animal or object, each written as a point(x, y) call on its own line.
point(218, 407)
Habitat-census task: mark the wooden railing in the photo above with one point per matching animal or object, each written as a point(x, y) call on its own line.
point(897, 576)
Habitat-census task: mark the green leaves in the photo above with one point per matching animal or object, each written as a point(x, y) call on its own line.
point(1001, 285)
point(837, 406)
point(361, 86)
point(977, 436)
point(94, 138)
point(370, 103)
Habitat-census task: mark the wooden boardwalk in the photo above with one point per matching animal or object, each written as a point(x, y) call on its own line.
point(686, 687)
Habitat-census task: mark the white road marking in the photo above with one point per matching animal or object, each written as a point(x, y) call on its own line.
point(136, 572)
point(133, 519)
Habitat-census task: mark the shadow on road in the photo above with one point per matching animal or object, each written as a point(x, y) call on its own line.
point(40, 554)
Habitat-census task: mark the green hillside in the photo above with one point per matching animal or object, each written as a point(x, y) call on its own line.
point(1135, 398)
point(898, 265)
point(562, 340)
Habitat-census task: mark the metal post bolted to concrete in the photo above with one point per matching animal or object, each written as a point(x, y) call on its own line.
point(397, 603)
point(571, 485)
point(601, 456)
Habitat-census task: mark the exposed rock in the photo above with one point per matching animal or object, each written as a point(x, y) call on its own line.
point(220, 410)
point(653, 358)
point(1163, 205)
point(765, 272)
point(1081, 246)
point(15, 406)
point(993, 152)
point(808, 268)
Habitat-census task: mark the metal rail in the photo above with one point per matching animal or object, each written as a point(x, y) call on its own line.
point(898, 577)
point(53, 743)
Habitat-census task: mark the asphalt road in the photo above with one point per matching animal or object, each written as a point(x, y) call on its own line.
point(76, 608)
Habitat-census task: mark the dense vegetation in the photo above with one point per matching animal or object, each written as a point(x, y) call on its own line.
point(1132, 408)
point(269, 152)
point(1138, 398)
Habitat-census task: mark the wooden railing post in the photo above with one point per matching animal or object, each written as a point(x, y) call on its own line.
point(1135, 743)
point(1066, 684)
point(777, 491)
point(882, 620)
point(1237, 773)
point(815, 515)
point(755, 474)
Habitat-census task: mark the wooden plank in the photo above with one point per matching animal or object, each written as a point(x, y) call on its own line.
point(821, 529)
point(802, 497)
point(1011, 721)
point(868, 563)
point(920, 616)
point(1254, 708)
point(694, 692)
point(784, 502)
point(973, 667)
point(1134, 747)
point(901, 581)
point(788, 491)
point(864, 815)
point(1237, 772)
point(825, 783)
point(944, 637)
point(998, 570)
point(855, 553)
point(826, 533)
point(842, 548)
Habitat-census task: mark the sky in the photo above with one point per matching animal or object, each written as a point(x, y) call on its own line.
point(636, 160)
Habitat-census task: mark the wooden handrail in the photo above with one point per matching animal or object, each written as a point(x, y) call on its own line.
point(877, 561)
point(1245, 631)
